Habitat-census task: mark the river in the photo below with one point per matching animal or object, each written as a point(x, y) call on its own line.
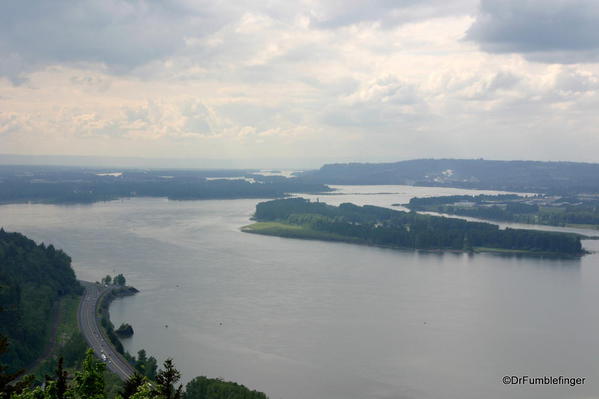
point(309, 319)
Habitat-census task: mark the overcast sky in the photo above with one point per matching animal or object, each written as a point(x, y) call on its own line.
point(306, 81)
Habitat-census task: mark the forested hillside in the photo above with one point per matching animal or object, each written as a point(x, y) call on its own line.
point(32, 278)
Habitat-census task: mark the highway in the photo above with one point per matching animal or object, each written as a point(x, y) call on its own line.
point(90, 328)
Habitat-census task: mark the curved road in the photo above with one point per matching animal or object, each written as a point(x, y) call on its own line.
point(88, 324)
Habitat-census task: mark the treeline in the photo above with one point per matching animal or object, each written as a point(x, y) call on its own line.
point(87, 186)
point(32, 279)
point(422, 203)
point(145, 365)
point(386, 227)
point(560, 212)
point(119, 280)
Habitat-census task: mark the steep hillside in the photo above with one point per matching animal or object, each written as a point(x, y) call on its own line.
point(32, 278)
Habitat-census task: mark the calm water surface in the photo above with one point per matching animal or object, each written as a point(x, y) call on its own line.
point(308, 319)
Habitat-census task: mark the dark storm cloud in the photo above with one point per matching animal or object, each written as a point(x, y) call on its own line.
point(551, 31)
point(338, 13)
point(119, 34)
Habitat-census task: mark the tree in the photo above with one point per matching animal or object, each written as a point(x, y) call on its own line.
point(151, 367)
point(8, 386)
point(215, 388)
point(147, 366)
point(145, 391)
point(132, 385)
point(107, 280)
point(89, 382)
point(119, 280)
point(61, 380)
point(142, 357)
point(166, 380)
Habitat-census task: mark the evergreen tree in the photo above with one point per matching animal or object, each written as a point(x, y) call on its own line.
point(166, 380)
point(119, 280)
point(8, 384)
point(132, 385)
point(61, 380)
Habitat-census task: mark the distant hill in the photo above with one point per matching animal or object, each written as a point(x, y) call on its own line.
point(521, 176)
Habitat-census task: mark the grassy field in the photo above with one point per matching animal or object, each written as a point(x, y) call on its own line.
point(68, 324)
point(583, 226)
point(521, 252)
point(293, 231)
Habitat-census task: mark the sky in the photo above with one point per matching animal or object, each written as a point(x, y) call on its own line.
point(300, 83)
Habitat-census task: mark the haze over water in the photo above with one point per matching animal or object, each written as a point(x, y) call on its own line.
point(309, 319)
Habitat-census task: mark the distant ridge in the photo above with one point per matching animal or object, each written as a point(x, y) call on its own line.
point(521, 176)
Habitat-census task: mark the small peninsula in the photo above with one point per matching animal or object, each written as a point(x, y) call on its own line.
point(372, 225)
point(575, 210)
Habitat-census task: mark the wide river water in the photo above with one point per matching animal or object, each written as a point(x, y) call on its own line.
point(307, 319)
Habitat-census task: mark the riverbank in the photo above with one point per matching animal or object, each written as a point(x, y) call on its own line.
point(103, 313)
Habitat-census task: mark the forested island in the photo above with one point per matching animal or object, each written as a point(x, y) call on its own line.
point(563, 178)
point(569, 211)
point(69, 185)
point(371, 225)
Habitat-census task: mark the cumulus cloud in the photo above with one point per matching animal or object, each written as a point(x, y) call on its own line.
point(383, 102)
point(122, 35)
point(8, 123)
point(551, 31)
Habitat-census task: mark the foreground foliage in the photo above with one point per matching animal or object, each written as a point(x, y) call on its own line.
point(89, 383)
point(214, 388)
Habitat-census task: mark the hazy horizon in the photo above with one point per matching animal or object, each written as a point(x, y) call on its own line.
point(198, 163)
